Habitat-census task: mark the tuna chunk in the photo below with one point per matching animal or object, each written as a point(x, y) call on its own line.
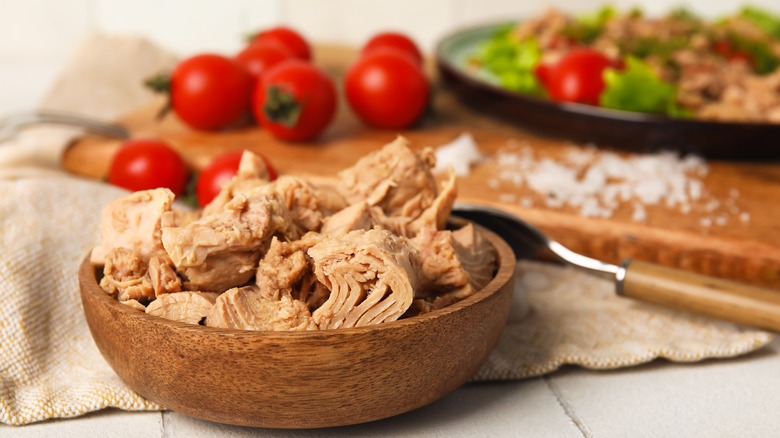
point(128, 277)
point(221, 250)
point(247, 308)
point(394, 178)
point(329, 198)
point(476, 254)
point(435, 215)
point(134, 304)
point(125, 277)
point(440, 267)
point(179, 218)
point(354, 217)
point(189, 307)
point(286, 270)
point(301, 200)
point(453, 265)
point(370, 276)
point(163, 277)
point(361, 216)
point(133, 222)
point(252, 173)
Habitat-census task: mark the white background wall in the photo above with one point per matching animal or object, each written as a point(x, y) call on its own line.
point(51, 28)
point(36, 36)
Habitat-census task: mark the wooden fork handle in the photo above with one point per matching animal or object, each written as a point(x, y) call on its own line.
point(701, 294)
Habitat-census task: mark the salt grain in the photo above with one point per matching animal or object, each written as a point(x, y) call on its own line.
point(639, 214)
point(712, 205)
point(508, 198)
point(459, 154)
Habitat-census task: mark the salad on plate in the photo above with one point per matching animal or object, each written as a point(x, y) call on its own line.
point(679, 65)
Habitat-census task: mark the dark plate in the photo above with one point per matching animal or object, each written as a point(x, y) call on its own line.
point(585, 123)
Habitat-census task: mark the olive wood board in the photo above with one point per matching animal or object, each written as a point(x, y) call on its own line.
point(741, 250)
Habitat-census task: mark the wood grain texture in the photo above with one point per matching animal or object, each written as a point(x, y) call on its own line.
point(300, 379)
point(721, 299)
point(748, 252)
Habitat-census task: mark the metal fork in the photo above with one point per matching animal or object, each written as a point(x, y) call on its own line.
point(11, 125)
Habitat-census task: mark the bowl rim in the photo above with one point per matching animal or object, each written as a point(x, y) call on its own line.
point(506, 264)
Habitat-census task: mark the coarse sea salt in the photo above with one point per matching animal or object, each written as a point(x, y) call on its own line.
point(596, 183)
point(458, 154)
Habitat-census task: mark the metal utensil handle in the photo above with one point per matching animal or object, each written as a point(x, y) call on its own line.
point(727, 300)
point(60, 118)
point(96, 126)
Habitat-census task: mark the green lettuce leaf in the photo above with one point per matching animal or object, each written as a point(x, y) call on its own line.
point(587, 27)
point(767, 21)
point(638, 88)
point(512, 62)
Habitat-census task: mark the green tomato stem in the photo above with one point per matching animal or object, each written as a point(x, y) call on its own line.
point(281, 107)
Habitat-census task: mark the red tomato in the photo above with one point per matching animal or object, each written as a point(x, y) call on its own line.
point(219, 171)
point(726, 50)
point(723, 48)
point(393, 40)
point(258, 58)
point(542, 72)
point(578, 76)
point(210, 91)
point(295, 101)
point(148, 164)
point(387, 89)
point(287, 38)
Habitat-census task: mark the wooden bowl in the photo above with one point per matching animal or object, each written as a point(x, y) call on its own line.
point(300, 379)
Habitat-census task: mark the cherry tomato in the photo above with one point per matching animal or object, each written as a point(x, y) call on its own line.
point(542, 72)
point(148, 164)
point(287, 38)
point(210, 91)
point(387, 90)
point(258, 58)
point(295, 101)
point(578, 76)
point(219, 171)
point(396, 41)
point(727, 50)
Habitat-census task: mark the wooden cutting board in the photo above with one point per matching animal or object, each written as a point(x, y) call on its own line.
point(742, 250)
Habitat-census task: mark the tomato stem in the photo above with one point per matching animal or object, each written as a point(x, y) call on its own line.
point(249, 37)
point(281, 107)
point(161, 83)
point(190, 197)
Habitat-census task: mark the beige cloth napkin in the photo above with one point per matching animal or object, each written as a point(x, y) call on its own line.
point(103, 79)
point(51, 368)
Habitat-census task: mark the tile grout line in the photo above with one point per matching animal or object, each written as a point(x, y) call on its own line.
point(568, 409)
point(163, 432)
